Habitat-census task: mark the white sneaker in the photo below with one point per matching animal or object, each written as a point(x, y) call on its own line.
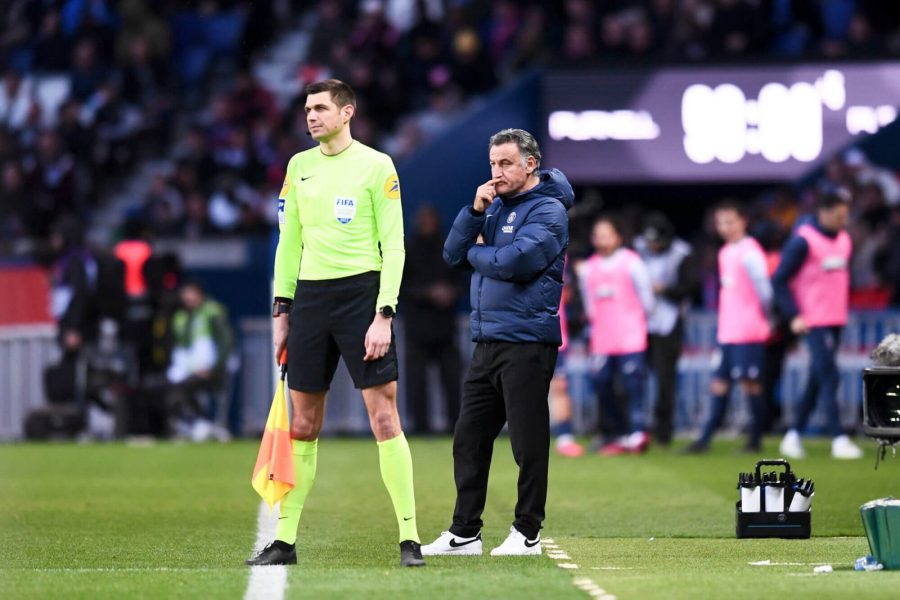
point(517, 544)
point(791, 446)
point(201, 431)
point(843, 447)
point(448, 544)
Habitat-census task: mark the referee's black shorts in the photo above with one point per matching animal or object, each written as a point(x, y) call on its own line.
point(328, 320)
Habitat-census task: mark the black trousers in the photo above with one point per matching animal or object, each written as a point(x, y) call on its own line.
point(663, 352)
point(420, 354)
point(507, 382)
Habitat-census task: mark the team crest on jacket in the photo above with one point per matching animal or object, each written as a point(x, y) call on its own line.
point(511, 217)
point(392, 187)
point(344, 210)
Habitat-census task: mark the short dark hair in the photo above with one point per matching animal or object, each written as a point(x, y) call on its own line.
point(614, 220)
point(341, 93)
point(731, 204)
point(829, 200)
point(658, 228)
point(526, 143)
point(194, 284)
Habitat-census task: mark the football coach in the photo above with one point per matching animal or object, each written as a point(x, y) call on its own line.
point(513, 238)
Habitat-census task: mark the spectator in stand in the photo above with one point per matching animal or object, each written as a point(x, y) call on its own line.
point(193, 152)
point(13, 203)
point(735, 28)
point(250, 100)
point(140, 20)
point(16, 99)
point(51, 177)
point(196, 224)
point(163, 207)
point(52, 49)
point(87, 74)
point(331, 25)
point(472, 72)
point(145, 84)
point(18, 21)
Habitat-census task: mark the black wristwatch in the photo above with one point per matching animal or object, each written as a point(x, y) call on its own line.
point(387, 312)
point(280, 307)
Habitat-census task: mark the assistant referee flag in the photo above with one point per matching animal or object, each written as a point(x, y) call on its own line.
point(273, 475)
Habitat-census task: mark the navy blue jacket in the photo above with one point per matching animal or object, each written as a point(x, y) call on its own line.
point(517, 279)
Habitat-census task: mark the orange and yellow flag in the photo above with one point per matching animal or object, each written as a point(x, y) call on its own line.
point(273, 475)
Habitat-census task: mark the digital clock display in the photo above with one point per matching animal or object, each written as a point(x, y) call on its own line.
point(711, 124)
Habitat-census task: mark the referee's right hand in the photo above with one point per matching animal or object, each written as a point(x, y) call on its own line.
point(279, 334)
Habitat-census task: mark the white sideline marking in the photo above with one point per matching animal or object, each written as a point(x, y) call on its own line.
point(266, 583)
point(120, 569)
point(585, 584)
point(769, 563)
point(559, 556)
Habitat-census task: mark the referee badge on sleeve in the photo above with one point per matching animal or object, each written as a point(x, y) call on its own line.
point(282, 196)
point(392, 187)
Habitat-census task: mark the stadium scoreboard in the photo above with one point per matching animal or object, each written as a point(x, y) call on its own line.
point(709, 124)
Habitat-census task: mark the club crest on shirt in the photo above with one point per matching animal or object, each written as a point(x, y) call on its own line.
point(344, 210)
point(392, 187)
point(285, 188)
point(511, 217)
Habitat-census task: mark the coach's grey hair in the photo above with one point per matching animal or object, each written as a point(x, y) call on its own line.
point(887, 354)
point(528, 146)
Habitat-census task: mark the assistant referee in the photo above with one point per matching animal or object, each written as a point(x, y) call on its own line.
point(338, 268)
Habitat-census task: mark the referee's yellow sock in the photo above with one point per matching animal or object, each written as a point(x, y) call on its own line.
point(305, 454)
point(397, 473)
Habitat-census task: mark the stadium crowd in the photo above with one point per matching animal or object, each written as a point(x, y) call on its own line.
point(93, 88)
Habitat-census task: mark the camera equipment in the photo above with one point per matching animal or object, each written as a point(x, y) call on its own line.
point(881, 404)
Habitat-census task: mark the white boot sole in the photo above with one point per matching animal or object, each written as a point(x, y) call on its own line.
point(464, 551)
point(536, 551)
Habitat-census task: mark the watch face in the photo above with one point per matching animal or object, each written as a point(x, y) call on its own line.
point(387, 311)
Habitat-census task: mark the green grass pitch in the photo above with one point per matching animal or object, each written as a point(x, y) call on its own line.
point(177, 521)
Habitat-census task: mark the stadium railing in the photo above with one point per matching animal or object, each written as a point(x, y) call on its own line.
point(25, 351)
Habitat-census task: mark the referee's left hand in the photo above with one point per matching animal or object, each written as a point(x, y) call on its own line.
point(378, 338)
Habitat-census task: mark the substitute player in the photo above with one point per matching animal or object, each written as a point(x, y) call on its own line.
point(745, 297)
point(812, 288)
point(618, 296)
point(338, 267)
